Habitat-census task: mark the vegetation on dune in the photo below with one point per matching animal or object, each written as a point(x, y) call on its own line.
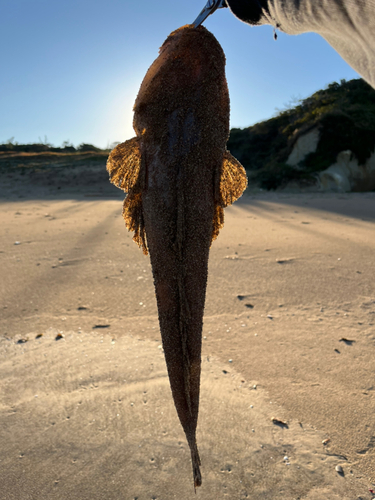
point(44, 147)
point(344, 113)
point(42, 156)
point(29, 158)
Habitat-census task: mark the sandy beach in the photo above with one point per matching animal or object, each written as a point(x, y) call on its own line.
point(289, 334)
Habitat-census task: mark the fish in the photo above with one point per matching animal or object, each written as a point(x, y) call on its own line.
point(179, 177)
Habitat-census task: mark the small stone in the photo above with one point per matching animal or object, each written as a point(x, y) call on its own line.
point(326, 441)
point(23, 340)
point(230, 360)
point(339, 469)
point(279, 422)
point(17, 243)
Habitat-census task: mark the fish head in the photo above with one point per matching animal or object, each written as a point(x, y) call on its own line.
point(189, 71)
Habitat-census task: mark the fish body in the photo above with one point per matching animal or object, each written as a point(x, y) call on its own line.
point(179, 177)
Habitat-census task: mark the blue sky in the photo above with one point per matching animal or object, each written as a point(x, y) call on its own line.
point(71, 70)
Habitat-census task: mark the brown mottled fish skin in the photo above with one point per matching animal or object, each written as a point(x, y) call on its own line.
point(181, 118)
point(183, 145)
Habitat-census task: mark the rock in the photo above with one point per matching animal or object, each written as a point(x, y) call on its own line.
point(339, 469)
point(347, 175)
point(305, 144)
point(279, 422)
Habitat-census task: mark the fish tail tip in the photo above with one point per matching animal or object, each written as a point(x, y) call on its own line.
point(197, 477)
point(196, 462)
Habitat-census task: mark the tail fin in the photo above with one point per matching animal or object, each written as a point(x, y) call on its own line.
point(196, 462)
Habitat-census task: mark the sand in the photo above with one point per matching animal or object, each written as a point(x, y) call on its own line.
point(288, 333)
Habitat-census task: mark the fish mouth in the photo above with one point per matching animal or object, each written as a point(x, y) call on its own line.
point(174, 37)
point(189, 30)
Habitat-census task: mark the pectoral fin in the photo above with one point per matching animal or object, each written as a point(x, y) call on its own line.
point(126, 172)
point(124, 164)
point(233, 182)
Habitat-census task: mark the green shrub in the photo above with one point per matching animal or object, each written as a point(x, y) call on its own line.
point(345, 115)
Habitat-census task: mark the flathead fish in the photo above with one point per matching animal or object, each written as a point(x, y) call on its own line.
point(179, 177)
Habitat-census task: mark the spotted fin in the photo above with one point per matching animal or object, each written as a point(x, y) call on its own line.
point(233, 182)
point(124, 166)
